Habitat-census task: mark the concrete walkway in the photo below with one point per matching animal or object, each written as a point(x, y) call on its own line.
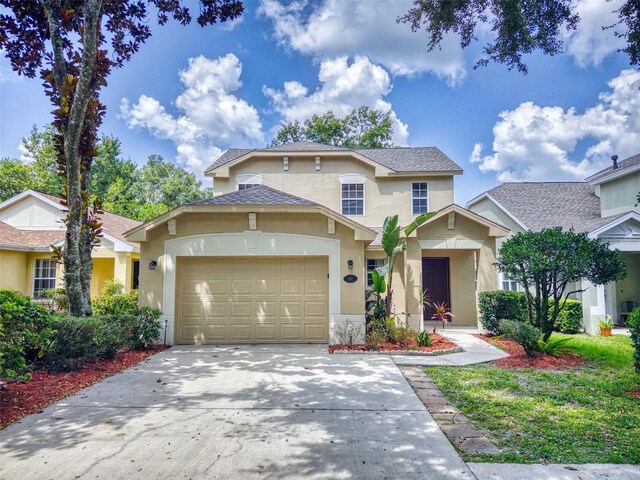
point(514, 471)
point(475, 351)
point(279, 412)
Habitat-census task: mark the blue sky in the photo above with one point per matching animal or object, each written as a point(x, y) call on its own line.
point(190, 93)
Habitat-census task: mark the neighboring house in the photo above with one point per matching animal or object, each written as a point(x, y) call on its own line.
point(32, 221)
point(604, 206)
point(284, 250)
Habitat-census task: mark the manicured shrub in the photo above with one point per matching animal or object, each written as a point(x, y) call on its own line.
point(74, 342)
point(25, 331)
point(147, 331)
point(570, 317)
point(501, 305)
point(523, 333)
point(116, 304)
point(391, 329)
point(634, 327)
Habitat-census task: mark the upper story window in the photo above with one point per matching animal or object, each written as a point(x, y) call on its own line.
point(419, 198)
point(352, 194)
point(44, 277)
point(248, 180)
point(372, 264)
point(508, 283)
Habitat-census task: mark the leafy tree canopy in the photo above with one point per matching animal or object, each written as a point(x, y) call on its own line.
point(141, 193)
point(362, 128)
point(518, 27)
point(545, 263)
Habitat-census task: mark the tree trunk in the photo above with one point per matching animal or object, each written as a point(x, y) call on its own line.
point(85, 252)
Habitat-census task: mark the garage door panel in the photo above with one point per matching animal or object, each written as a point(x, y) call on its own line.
point(315, 309)
point(290, 286)
point(257, 299)
point(267, 286)
point(315, 286)
point(266, 332)
point(291, 332)
point(266, 309)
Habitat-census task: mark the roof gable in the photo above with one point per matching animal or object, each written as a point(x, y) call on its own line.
point(398, 159)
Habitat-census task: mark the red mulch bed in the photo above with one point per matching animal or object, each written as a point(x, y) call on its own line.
point(20, 399)
point(518, 359)
point(437, 343)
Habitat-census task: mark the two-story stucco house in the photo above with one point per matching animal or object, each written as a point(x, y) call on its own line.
point(283, 250)
point(605, 206)
point(32, 221)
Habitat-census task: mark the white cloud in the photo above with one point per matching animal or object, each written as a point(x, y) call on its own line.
point(210, 115)
point(363, 27)
point(343, 88)
point(589, 44)
point(535, 143)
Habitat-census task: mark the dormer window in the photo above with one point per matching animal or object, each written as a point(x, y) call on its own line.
point(352, 194)
point(419, 198)
point(248, 180)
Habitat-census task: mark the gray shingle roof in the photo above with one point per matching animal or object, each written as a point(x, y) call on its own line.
point(260, 195)
point(400, 159)
point(541, 205)
point(626, 163)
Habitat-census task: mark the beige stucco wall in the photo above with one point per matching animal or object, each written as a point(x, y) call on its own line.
point(628, 289)
point(32, 213)
point(310, 224)
point(619, 196)
point(462, 268)
point(13, 270)
point(383, 195)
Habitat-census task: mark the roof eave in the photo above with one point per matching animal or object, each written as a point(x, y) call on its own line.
point(599, 179)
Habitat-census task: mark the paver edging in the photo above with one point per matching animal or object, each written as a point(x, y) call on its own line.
point(415, 353)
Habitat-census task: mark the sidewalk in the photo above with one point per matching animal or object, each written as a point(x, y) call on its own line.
point(512, 471)
point(475, 351)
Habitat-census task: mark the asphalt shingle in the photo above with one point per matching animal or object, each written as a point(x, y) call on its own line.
point(260, 195)
point(624, 164)
point(542, 205)
point(399, 159)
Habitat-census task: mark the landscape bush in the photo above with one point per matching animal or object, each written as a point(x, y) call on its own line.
point(634, 327)
point(501, 305)
point(405, 336)
point(424, 339)
point(570, 317)
point(25, 332)
point(116, 304)
point(522, 333)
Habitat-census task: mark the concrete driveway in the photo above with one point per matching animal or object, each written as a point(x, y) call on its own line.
point(276, 412)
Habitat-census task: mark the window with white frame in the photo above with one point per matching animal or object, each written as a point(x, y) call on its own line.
point(507, 282)
point(352, 199)
point(419, 198)
point(372, 264)
point(44, 277)
point(248, 180)
point(246, 186)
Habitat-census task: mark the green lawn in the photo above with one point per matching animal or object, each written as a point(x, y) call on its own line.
point(579, 416)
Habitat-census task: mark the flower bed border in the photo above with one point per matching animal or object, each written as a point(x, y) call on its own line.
point(415, 353)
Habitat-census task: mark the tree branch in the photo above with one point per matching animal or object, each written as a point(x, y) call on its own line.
point(59, 62)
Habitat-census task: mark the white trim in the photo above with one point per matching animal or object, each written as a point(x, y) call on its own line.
point(631, 215)
point(451, 244)
point(420, 198)
point(351, 178)
point(499, 205)
point(248, 179)
point(31, 193)
point(613, 174)
point(249, 244)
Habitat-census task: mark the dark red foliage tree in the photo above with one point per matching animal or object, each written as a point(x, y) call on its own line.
point(73, 45)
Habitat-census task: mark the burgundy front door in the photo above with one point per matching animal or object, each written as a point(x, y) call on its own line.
point(435, 280)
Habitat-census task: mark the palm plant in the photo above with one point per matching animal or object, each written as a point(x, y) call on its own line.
point(393, 243)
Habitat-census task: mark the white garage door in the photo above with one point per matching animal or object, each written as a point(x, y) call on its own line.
point(252, 300)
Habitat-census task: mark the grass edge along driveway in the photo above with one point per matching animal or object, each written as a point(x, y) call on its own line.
point(581, 415)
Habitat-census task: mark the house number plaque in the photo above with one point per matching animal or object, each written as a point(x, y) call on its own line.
point(351, 278)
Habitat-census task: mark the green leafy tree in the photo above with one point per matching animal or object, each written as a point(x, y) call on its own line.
point(15, 177)
point(518, 27)
point(546, 262)
point(40, 149)
point(362, 128)
point(73, 46)
point(109, 168)
point(162, 182)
